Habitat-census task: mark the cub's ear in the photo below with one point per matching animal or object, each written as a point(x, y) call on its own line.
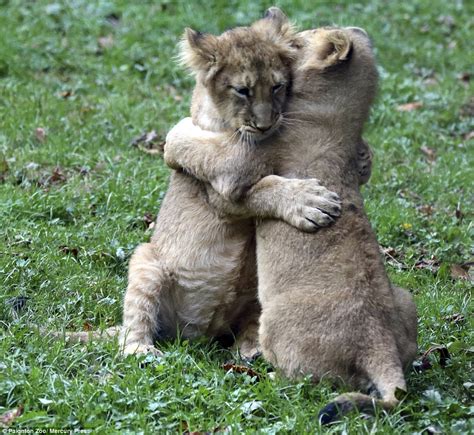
point(328, 47)
point(275, 23)
point(198, 51)
point(275, 17)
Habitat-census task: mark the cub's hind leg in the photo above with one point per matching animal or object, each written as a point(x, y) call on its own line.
point(406, 331)
point(148, 283)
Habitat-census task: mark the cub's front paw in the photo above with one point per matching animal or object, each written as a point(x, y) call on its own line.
point(312, 206)
point(141, 349)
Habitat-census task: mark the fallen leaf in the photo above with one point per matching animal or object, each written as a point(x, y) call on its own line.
point(106, 41)
point(86, 326)
point(9, 417)
point(148, 219)
point(465, 77)
point(443, 352)
point(430, 153)
point(391, 256)
point(409, 107)
point(459, 214)
point(66, 94)
point(467, 109)
point(431, 264)
point(69, 250)
point(425, 209)
point(461, 271)
point(469, 136)
point(455, 318)
point(4, 168)
point(57, 176)
point(230, 366)
point(40, 134)
point(149, 143)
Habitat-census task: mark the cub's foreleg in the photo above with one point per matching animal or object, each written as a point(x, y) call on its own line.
point(148, 281)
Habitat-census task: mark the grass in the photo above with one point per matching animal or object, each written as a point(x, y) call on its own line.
point(76, 198)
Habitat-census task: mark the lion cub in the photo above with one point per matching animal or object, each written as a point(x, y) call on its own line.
point(197, 275)
point(328, 308)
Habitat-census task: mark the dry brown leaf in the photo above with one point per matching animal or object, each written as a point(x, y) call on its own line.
point(86, 326)
point(467, 109)
point(455, 318)
point(9, 417)
point(409, 107)
point(444, 355)
point(459, 214)
point(4, 168)
point(469, 136)
point(391, 256)
point(431, 264)
point(149, 143)
point(465, 77)
point(424, 363)
point(66, 94)
point(240, 369)
point(40, 134)
point(106, 41)
point(69, 250)
point(57, 176)
point(426, 209)
point(461, 271)
point(430, 153)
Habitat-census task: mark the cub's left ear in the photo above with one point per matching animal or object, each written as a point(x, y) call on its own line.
point(330, 47)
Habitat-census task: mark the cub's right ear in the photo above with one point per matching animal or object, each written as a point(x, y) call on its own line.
point(328, 47)
point(276, 17)
point(198, 51)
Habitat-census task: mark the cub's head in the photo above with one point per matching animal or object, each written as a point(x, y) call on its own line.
point(336, 69)
point(245, 72)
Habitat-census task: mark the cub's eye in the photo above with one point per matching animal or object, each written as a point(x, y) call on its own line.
point(242, 91)
point(277, 88)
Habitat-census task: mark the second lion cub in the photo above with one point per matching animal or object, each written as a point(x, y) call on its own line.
point(328, 308)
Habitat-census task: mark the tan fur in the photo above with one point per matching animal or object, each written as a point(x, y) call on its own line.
point(328, 307)
point(197, 275)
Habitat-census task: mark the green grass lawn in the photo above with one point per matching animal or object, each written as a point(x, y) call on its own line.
point(79, 80)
